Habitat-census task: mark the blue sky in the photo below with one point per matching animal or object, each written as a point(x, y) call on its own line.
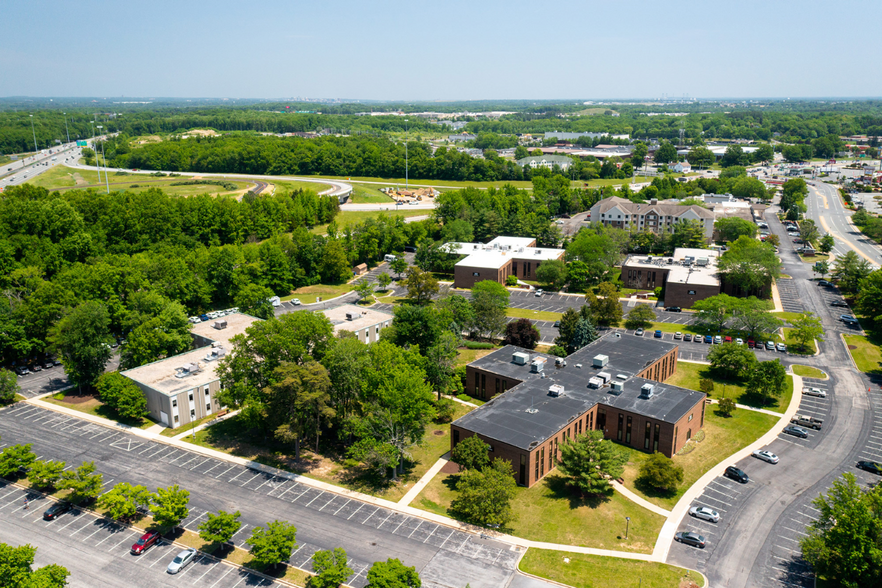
point(451, 50)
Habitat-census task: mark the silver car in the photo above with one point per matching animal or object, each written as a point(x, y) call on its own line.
point(705, 513)
point(765, 455)
point(180, 560)
point(809, 391)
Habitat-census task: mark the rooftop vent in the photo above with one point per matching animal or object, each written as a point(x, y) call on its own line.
point(616, 388)
point(647, 390)
point(601, 361)
point(219, 325)
point(605, 376)
point(556, 390)
point(532, 410)
point(351, 316)
point(520, 358)
point(579, 365)
point(702, 261)
point(622, 377)
point(537, 365)
point(560, 362)
point(595, 382)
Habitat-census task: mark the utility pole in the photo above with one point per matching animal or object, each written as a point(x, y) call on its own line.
point(34, 133)
point(106, 180)
point(66, 130)
point(405, 155)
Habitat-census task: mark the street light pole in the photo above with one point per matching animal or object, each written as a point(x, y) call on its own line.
point(106, 180)
point(627, 524)
point(405, 154)
point(34, 133)
point(66, 130)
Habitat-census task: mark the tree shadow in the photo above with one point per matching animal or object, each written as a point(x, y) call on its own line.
point(560, 490)
point(651, 491)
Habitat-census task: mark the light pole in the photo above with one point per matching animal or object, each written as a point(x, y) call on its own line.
point(405, 154)
point(627, 524)
point(34, 133)
point(66, 130)
point(106, 180)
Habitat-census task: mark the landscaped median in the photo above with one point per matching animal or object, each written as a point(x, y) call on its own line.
point(689, 375)
point(539, 315)
point(588, 571)
point(866, 355)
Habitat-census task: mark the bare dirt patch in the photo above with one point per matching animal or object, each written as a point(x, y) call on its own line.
point(79, 399)
point(852, 347)
point(201, 133)
point(78, 179)
point(450, 468)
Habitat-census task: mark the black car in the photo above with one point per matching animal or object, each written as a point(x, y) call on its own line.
point(56, 510)
point(36, 368)
point(556, 324)
point(870, 466)
point(841, 303)
point(693, 539)
point(22, 370)
point(736, 474)
point(687, 336)
point(674, 309)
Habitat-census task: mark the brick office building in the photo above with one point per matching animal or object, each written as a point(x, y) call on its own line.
point(613, 385)
point(498, 259)
point(687, 276)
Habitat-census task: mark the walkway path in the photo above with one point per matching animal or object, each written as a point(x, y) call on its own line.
point(424, 481)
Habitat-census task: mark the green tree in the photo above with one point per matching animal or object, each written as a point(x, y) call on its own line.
point(392, 574)
point(461, 312)
point(330, 568)
point(122, 395)
point(16, 458)
point(441, 364)
point(170, 506)
point(689, 233)
point(421, 285)
point(415, 325)
point(123, 501)
point(568, 321)
point(384, 280)
point(272, 545)
point(589, 463)
point(767, 381)
point(82, 340)
point(701, 157)
point(472, 453)
point(826, 244)
point(706, 385)
point(300, 400)
point(844, 544)
point(398, 265)
point(734, 155)
point(730, 228)
point(83, 482)
point(806, 329)
point(764, 153)
point(44, 475)
point(364, 290)
point(583, 334)
point(521, 333)
point(731, 361)
point(821, 267)
point(334, 267)
point(16, 571)
point(750, 265)
point(638, 154)
point(162, 331)
point(869, 299)
point(726, 406)
point(666, 153)
point(715, 311)
point(489, 302)
point(254, 300)
point(8, 386)
point(484, 497)
point(808, 232)
point(605, 308)
point(752, 316)
point(640, 317)
point(849, 270)
point(220, 527)
point(553, 273)
point(660, 472)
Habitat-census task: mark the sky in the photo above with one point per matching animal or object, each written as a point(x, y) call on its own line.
point(442, 50)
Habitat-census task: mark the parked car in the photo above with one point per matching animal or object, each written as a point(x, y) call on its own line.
point(180, 560)
point(658, 334)
point(870, 466)
point(718, 340)
point(781, 347)
point(639, 332)
point(146, 541)
point(736, 474)
point(796, 431)
point(36, 367)
point(295, 301)
point(704, 513)
point(674, 309)
point(56, 510)
point(809, 391)
point(22, 370)
point(751, 343)
point(687, 337)
point(203, 317)
point(824, 283)
point(770, 345)
point(765, 455)
point(693, 539)
point(848, 319)
point(739, 341)
point(556, 324)
point(539, 292)
point(48, 364)
point(840, 303)
point(727, 339)
point(678, 335)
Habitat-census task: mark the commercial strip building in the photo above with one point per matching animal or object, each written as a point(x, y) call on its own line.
point(498, 259)
point(548, 161)
point(613, 385)
point(364, 323)
point(689, 275)
point(653, 216)
point(182, 389)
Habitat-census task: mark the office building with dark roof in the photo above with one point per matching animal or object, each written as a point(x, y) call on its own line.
point(614, 385)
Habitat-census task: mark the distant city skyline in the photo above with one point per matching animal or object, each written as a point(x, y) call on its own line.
point(458, 51)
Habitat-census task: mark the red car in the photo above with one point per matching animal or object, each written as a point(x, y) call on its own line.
point(728, 339)
point(146, 541)
point(751, 343)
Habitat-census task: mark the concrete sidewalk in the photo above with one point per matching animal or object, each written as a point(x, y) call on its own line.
point(424, 481)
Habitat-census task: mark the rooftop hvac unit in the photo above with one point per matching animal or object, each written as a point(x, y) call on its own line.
point(579, 365)
point(647, 390)
point(220, 325)
point(555, 390)
point(702, 261)
point(595, 382)
point(520, 358)
point(622, 377)
point(560, 362)
point(617, 388)
point(605, 376)
point(537, 365)
point(351, 316)
point(601, 361)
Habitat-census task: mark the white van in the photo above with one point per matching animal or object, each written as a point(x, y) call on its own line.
point(389, 258)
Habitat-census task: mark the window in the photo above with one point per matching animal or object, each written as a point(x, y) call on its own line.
point(675, 437)
point(541, 462)
point(207, 390)
point(591, 421)
point(176, 418)
point(475, 274)
point(692, 292)
point(191, 397)
point(477, 382)
point(655, 437)
point(536, 472)
point(483, 385)
point(491, 449)
point(455, 436)
point(621, 422)
point(497, 385)
point(702, 415)
point(601, 419)
point(207, 407)
point(688, 434)
point(504, 385)
point(647, 434)
point(192, 414)
point(550, 450)
point(174, 402)
point(689, 420)
point(628, 433)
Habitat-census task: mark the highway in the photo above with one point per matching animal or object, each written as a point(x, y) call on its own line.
point(826, 208)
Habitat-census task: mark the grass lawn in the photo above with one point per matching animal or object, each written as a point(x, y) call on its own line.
point(60, 177)
point(524, 185)
point(288, 186)
point(589, 571)
point(308, 294)
point(550, 511)
point(351, 217)
point(539, 315)
point(689, 374)
point(794, 346)
point(809, 372)
point(466, 356)
point(366, 194)
point(866, 355)
point(93, 406)
point(331, 464)
point(722, 437)
point(787, 316)
point(167, 432)
point(813, 258)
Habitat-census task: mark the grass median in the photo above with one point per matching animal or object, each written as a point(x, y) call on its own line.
point(588, 571)
point(308, 294)
point(91, 404)
point(866, 355)
point(539, 315)
point(688, 375)
point(805, 371)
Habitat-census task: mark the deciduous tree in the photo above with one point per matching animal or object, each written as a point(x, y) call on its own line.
point(750, 265)
point(330, 568)
point(640, 317)
point(170, 505)
point(849, 270)
point(393, 574)
point(274, 544)
point(605, 308)
point(553, 273)
point(489, 302)
point(44, 475)
point(122, 395)
point(122, 502)
point(521, 333)
point(82, 340)
point(826, 244)
point(8, 386)
point(299, 400)
point(220, 527)
point(726, 406)
point(730, 228)
point(83, 482)
point(660, 472)
point(589, 462)
point(16, 570)
point(806, 329)
point(16, 458)
point(421, 285)
point(484, 497)
point(731, 361)
point(715, 311)
point(767, 381)
point(384, 280)
point(471, 453)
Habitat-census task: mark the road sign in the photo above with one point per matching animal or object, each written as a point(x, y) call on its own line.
point(82, 144)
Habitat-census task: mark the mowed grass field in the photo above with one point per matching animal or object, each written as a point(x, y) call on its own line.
point(62, 177)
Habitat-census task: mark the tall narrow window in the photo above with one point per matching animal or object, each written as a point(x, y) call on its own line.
point(621, 423)
point(591, 421)
point(541, 462)
point(536, 474)
point(655, 437)
point(647, 435)
point(455, 437)
point(550, 455)
point(628, 433)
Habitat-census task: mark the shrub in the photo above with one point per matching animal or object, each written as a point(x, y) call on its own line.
point(445, 408)
point(478, 345)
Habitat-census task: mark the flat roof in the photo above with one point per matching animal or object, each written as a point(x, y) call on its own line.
point(365, 317)
point(678, 273)
point(160, 375)
point(527, 415)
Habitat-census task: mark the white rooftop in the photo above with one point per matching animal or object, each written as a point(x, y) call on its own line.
point(698, 272)
point(364, 317)
point(497, 252)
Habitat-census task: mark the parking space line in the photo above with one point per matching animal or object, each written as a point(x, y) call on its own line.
point(448, 537)
point(210, 567)
point(111, 534)
point(795, 531)
point(221, 578)
point(101, 528)
point(188, 462)
point(415, 528)
point(88, 522)
point(224, 472)
point(125, 539)
point(432, 532)
point(205, 473)
point(341, 508)
point(237, 475)
point(271, 479)
point(317, 495)
point(73, 520)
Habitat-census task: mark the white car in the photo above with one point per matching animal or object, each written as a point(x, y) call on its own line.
point(180, 560)
point(809, 391)
point(705, 513)
point(739, 341)
point(765, 455)
point(678, 335)
point(295, 301)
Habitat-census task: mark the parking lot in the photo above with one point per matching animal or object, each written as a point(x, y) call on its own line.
point(324, 519)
